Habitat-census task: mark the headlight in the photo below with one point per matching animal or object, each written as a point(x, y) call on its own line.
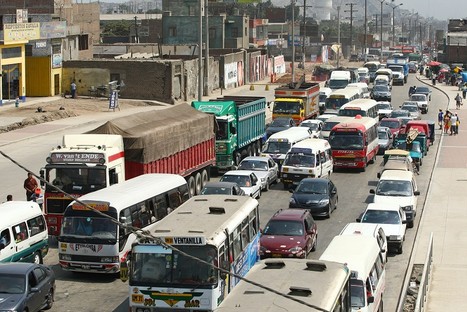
point(221, 147)
point(65, 257)
point(52, 220)
point(295, 249)
point(263, 179)
point(323, 202)
point(407, 208)
point(292, 200)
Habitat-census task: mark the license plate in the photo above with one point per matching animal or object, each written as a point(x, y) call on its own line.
point(85, 266)
point(276, 255)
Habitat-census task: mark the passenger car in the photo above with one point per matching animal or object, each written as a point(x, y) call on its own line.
point(385, 139)
point(246, 179)
point(397, 186)
point(265, 168)
point(394, 124)
point(26, 287)
point(413, 109)
point(318, 195)
point(279, 124)
point(289, 233)
point(422, 101)
point(381, 93)
point(315, 126)
point(424, 90)
point(392, 219)
point(384, 109)
point(397, 113)
point(227, 188)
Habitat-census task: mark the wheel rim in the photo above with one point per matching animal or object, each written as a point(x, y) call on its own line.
point(37, 258)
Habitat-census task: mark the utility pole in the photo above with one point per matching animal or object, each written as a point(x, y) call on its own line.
point(338, 34)
point(200, 51)
point(293, 40)
point(351, 23)
point(393, 25)
point(206, 54)
point(381, 30)
point(304, 32)
point(136, 30)
point(365, 26)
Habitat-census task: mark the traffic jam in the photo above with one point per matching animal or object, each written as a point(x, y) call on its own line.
point(123, 184)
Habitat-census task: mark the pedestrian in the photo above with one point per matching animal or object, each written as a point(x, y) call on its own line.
point(458, 122)
point(458, 101)
point(9, 197)
point(433, 78)
point(30, 184)
point(453, 122)
point(36, 195)
point(446, 122)
point(464, 91)
point(73, 89)
point(440, 119)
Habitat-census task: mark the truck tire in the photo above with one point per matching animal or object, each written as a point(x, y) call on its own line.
point(198, 183)
point(204, 178)
point(191, 186)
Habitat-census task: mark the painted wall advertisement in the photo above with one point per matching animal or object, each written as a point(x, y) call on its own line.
point(57, 60)
point(279, 64)
point(233, 74)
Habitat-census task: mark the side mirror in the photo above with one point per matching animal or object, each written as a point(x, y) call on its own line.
point(404, 221)
point(34, 290)
point(334, 191)
point(233, 130)
point(416, 193)
point(371, 299)
point(372, 191)
point(378, 175)
point(358, 220)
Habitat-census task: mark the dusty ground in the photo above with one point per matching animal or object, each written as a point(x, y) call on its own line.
point(70, 108)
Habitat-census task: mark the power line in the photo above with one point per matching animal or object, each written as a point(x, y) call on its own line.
point(146, 235)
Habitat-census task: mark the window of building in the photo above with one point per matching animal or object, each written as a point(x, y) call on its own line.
point(83, 42)
point(234, 32)
point(212, 33)
point(172, 31)
point(11, 52)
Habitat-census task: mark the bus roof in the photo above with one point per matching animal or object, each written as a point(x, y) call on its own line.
point(292, 134)
point(13, 212)
point(343, 93)
point(343, 249)
point(143, 186)
point(325, 282)
point(207, 217)
point(361, 103)
point(358, 123)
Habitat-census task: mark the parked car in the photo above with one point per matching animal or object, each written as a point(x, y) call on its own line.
point(381, 93)
point(397, 186)
point(318, 195)
point(422, 101)
point(385, 139)
point(26, 287)
point(279, 124)
point(398, 113)
point(394, 124)
point(289, 233)
point(392, 219)
point(355, 58)
point(315, 126)
point(247, 180)
point(384, 109)
point(264, 167)
point(225, 188)
point(424, 90)
point(413, 109)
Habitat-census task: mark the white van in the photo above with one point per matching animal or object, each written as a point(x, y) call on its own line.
point(369, 229)
point(311, 158)
point(363, 74)
point(368, 269)
point(23, 232)
point(339, 79)
point(280, 143)
point(385, 72)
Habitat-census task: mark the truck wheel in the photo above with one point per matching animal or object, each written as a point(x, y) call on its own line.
point(204, 177)
point(198, 183)
point(192, 186)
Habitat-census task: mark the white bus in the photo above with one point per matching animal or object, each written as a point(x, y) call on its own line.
point(340, 97)
point(323, 285)
point(281, 142)
point(90, 242)
point(362, 107)
point(220, 229)
point(363, 257)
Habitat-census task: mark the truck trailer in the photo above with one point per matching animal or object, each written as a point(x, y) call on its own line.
point(178, 140)
point(241, 125)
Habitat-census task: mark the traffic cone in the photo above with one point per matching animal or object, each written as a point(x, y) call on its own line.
point(252, 87)
point(266, 88)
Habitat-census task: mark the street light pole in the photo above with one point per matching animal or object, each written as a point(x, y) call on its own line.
point(351, 22)
point(381, 29)
point(293, 40)
point(338, 34)
point(200, 51)
point(393, 25)
point(206, 53)
point(365, 34)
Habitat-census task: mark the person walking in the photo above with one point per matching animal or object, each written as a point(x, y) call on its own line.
point(30, 185)
point(458, 101)
point(73, 89)
point(458, 122)
point(446, 122)
point(453, 122)
point(9, 197)
point(464, 91)
point(440, 119)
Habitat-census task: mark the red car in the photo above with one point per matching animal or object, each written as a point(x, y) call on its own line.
point(289, 233)
point(394, 124)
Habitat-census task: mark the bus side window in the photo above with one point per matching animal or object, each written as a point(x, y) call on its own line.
point(185, 194)
point(245, 233)
point(20, 232)
point(175, 199)
point(161, 206)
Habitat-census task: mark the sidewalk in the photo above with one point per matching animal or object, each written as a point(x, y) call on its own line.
point(445, 215)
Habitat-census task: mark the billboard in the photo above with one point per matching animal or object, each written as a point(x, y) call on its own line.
point(50, 30)
point(13, 33)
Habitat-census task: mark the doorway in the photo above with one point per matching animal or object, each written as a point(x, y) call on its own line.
point(56, 84)
point(10, 81)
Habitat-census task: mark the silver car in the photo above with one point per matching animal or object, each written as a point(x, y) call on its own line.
point(413, 109)
point(265, 168)
point(385, 139)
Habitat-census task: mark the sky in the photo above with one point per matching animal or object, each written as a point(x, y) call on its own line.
point(438, 9)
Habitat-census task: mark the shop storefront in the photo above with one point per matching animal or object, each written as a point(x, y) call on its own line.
point(12, 66)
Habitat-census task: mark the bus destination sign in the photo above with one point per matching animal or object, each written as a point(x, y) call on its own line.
point(185, 240)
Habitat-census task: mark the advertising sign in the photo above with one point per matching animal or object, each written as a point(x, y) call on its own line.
point(57, 60)
point(50, 30)
point(13, 33)
point(230, 73)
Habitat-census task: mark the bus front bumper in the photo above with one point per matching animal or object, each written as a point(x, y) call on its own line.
point(90, 267)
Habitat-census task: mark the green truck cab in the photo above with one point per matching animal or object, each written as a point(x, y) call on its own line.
point(241, 126)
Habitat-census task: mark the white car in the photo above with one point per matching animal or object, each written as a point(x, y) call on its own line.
point(246, 179)
point(422, 101)
point(384, 109)
point(392, 219)
point(400, 187)
point(264, 167)
point(315, 125)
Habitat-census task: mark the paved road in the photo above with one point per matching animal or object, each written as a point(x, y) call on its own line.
point(86, 292)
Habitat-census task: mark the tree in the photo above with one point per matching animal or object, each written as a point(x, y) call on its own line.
point(116, 28)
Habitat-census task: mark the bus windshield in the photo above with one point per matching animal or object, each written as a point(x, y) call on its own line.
point(335, 103)
point(277, 147)
point(352, 112)
point(286, 108)
point(156, 266)
point(85, 225)
point(299, 160)
point(76, 180)
point(347, 141)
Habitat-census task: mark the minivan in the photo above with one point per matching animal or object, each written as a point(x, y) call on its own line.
point(368, 229)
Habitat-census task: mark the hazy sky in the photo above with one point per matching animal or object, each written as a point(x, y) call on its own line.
point(439, 9)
